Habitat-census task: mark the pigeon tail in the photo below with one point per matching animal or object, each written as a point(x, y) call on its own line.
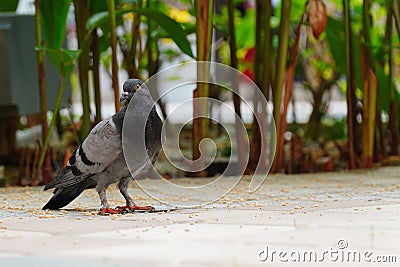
point(58, 181)
point(65, 195)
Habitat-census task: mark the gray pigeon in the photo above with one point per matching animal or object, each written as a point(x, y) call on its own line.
point(99, 161)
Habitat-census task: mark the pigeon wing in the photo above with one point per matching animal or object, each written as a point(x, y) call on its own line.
point(101, 147)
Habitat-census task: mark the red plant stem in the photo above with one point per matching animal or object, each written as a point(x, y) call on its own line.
point(288, 94)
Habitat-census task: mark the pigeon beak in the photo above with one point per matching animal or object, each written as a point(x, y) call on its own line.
point(124, 97)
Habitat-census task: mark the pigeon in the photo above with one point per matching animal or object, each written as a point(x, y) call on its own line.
point(99, 161)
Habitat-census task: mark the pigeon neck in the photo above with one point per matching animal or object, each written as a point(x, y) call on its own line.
point(118, 118)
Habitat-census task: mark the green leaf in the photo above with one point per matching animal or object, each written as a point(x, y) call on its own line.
point(104, 44)
point(335, 36)
point(96, 20)
point(383, 83)
point(54, 21)
point(173, 28)
point(189, 28)
point(97, 6)
point(245, 30)
point(8, 6)
point(63, 59)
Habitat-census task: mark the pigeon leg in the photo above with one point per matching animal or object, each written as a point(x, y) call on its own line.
point(130, 205)
point(123, 188)
point(105, 210)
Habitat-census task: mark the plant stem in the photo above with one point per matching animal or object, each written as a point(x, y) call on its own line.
point(45, 154)
point(96, 75)
point(204, 12)
point(131, 60)
point(281, 63)
point(366, 22)
point(82, 8)
point(259, 46)
point(350, 88)
point(150, 62)
point(392, 105)
point(396, 14)
point(369, 99)
point(235, 88)
point(267, 75)
point(269, 53)
point(288, 94)
point(280, 71)
point(60, 93)
point(113, 41)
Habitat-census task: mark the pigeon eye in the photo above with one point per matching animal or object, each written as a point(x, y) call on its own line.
point(137, 86)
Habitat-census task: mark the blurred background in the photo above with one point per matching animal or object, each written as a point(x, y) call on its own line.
point(328, 69)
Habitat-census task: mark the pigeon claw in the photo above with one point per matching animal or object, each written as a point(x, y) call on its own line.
point(136, 208)
point(110, 211)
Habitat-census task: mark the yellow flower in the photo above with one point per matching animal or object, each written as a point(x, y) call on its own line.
point(180, 15)
point(128, 16)
point(241, 53)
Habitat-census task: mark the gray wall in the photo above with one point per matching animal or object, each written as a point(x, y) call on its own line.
point(18, 66)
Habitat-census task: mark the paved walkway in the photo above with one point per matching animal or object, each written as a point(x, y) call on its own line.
point(302, 218)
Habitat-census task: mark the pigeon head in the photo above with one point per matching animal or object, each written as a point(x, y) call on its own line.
point(130, 87)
